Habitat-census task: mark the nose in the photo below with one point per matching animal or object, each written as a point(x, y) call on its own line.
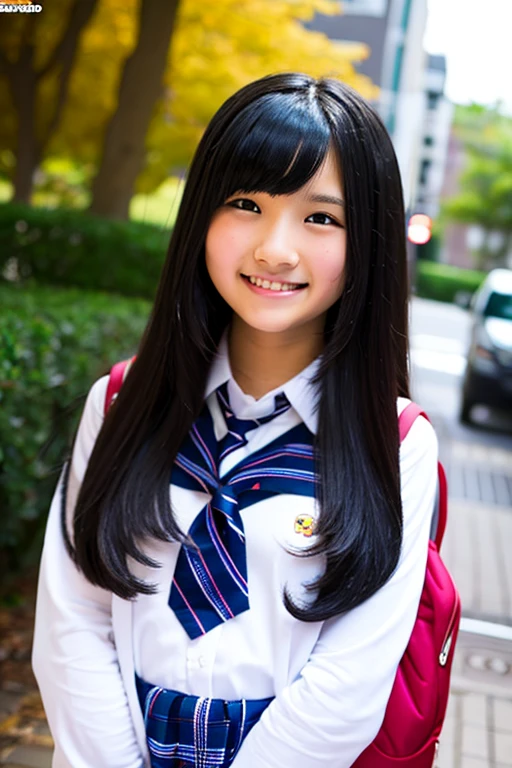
point(277, 249)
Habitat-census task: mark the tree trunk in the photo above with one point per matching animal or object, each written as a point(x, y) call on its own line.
point(23, 91)
point(140, 88)
point(24, 80)
point(64, 56)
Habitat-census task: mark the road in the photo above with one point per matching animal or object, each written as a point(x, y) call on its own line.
point(439, 341)
point(478, 457)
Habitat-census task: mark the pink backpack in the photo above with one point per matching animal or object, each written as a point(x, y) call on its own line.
point(409, 735)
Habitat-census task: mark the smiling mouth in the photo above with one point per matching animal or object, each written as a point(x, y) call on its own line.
point(273, 285)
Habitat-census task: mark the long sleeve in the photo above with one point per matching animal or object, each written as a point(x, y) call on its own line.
point(74, 656)
point(330, 714)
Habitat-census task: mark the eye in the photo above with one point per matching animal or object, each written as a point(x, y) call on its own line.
point(323, 218)
point(244, 204)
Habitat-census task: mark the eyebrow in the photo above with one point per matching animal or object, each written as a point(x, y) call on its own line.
point(329, 199)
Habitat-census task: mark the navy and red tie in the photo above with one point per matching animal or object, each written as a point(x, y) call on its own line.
point(210, 579)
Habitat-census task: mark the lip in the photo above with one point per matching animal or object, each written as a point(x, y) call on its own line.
point(267, 291)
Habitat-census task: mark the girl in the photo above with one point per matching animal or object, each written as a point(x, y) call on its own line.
point(253, 615)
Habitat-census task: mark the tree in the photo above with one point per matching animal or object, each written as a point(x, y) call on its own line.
point(140, 88)
point(215, 49)
point(219, 48)
point(27, 81)
point(486, 182)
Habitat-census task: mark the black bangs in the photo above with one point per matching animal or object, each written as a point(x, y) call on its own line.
point(274, 145)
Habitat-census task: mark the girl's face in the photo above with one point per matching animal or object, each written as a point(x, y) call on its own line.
point(279, 261)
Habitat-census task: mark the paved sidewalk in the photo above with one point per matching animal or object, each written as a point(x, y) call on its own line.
point(477, 732)
point(478, 726)
point(477, 550)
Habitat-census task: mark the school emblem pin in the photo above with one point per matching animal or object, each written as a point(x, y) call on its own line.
point(305, 524)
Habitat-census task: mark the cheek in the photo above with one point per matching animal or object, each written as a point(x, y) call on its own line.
point(213, 246)
point(330, 268)
point(223, 244)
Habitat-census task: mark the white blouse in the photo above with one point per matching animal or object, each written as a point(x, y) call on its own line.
point(331, 680)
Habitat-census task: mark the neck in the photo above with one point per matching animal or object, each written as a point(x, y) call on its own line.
point(262, 361)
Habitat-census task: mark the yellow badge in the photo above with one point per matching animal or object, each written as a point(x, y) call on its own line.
point(305, 524)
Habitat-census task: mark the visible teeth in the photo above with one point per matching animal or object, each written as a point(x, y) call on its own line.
point(273, 286)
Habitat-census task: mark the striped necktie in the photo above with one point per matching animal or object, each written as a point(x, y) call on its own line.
point(237, 428)
point(210, 579)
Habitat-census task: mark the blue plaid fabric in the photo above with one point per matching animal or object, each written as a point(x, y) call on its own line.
point(210, 578)
point(194, 732)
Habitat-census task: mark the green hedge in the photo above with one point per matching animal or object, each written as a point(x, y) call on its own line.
point(71, 248)
point(442, 282)
point(53, 345)
point(430, 251)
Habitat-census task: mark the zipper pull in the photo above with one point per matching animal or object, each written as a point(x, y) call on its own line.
point(443, 656)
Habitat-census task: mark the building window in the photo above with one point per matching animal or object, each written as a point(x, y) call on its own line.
point(428, 141)
point(365, 7)
point(432, 99)
point(425, 166)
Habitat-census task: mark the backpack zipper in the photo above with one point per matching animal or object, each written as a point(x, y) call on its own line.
point(443, 656)
point(447, 644)
point(436, 754)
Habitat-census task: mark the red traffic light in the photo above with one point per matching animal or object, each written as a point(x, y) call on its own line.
point(419, 229)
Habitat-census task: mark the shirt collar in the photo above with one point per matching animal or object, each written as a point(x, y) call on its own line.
point(301, 393)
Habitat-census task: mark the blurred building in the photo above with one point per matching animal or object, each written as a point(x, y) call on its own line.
point(456, 245)
point(433, 154)
point(394, 30)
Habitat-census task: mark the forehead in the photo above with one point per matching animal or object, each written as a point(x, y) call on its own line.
point(328, 178)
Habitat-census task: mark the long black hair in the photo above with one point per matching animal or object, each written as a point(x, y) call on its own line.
point(271, 136)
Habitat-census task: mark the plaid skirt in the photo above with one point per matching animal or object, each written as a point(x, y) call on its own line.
point(194, 732)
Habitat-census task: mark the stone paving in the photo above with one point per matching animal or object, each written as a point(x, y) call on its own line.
point(477, 732)
point(478, 728)
point(477, 551)
point(33, 740)
point(480, 474)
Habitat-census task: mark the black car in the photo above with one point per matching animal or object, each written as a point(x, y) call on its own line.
point(488, 377)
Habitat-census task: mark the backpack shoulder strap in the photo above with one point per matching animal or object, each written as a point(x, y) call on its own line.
point(117, 376)
point(407, 418)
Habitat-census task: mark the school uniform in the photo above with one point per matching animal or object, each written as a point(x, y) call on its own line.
point(328, 682)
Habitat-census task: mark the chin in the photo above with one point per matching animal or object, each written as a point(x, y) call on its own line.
point(269, 326)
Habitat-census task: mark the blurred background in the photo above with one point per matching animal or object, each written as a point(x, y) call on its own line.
point(102, 104)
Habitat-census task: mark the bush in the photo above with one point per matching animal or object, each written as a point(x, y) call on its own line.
point(442, 282)
point(70, 248)
point(430, 251)
point(53, 345)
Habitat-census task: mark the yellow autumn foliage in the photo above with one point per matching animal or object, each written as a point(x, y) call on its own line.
point(217, 47)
